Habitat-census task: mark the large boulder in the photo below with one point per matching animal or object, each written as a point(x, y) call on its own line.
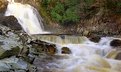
point(11, 22)
point(10, 64)
point(44, 47)
point(115, 43)
point(10, 43)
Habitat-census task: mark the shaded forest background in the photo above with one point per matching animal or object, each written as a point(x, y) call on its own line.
point(72, 11)
point(102, 17)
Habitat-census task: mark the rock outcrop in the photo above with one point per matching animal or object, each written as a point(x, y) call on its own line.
point(66, 50)
point(10, 47)
point(44, 47)
point(11, 22)
point(115, 43)
point(10, 43)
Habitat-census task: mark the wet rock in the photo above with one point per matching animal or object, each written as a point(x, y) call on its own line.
point(118, 57)
point(3, 5)
point(10, 43)
point(112, 54)
point(44, 47)
point(66, 50)
point(1, 33)
point(11, 22)
point(44, 63)
point(95, 39)
point(7, 53)
point(51, 49)
point(115, 43)
point(13, 64)
point(32, 68)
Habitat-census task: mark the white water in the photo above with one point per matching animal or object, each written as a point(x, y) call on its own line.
point(27, 16)
point(86, 57)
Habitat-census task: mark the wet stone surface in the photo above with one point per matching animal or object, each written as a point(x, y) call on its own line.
point(118, 57)
point(115, 43)
point(66, 50)
point(11, 22)
point(44, 47)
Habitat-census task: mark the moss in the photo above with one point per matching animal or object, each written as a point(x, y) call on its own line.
point(8, 53)
point(44, 14)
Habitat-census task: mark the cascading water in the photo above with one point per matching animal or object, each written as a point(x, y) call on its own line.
point(85, 56)
point(27, 16)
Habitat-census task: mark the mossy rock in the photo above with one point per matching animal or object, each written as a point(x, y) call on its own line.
point(13, 52)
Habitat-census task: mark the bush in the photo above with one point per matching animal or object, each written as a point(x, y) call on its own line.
point(66, 11)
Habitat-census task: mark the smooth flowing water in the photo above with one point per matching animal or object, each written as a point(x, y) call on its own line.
point(27, 16)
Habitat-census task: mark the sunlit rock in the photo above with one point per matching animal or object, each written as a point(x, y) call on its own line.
point(112, 54)
point(3, 5)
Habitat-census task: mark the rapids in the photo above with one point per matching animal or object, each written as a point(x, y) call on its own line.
point(27, 16)
point(86, 56)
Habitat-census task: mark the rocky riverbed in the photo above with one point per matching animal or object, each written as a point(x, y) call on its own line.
point(20, 52)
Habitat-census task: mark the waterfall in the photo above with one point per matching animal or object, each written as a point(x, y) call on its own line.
point(27, 16)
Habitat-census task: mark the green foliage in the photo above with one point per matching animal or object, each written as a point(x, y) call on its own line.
point(65, 12)
point(71, 2)
point(57, 12)
point(71, 15)
point(46, 2)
